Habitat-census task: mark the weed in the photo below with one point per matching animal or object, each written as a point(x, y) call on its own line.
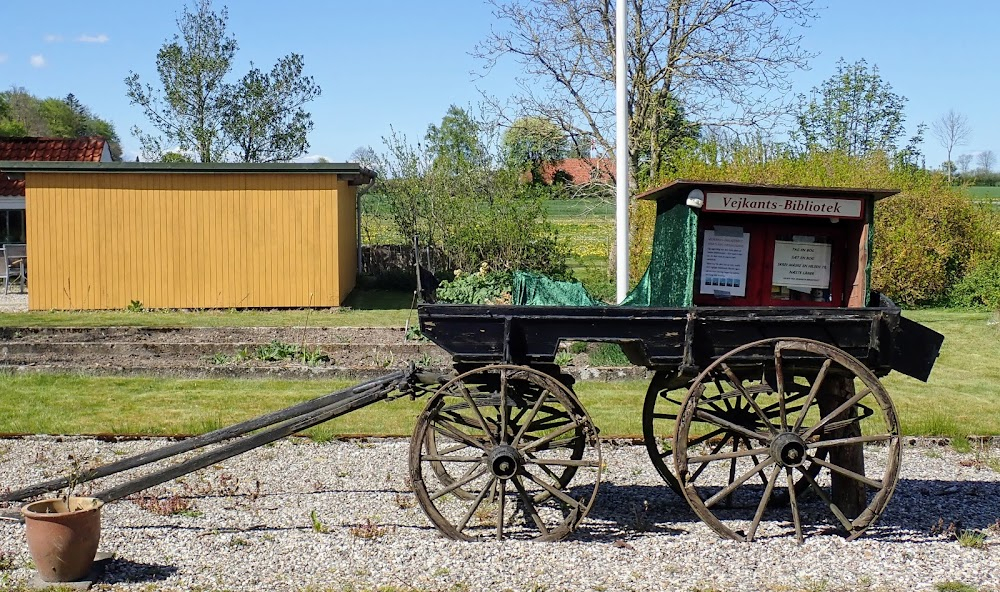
point(972, 539)
point(486, 514)
point(425, 360)
point(370, 529)
point(173, 505)
point(608, 354)
point(219, 359)
point(414, 334)
point(961, 445)
point(404, 502)
point(135, 306)
point(578, 347)
point(953, 586)
point(563, 358)
point(640, 517)
point(441, 571)
point(6, 560)
point(317, 524)
point(279, 351)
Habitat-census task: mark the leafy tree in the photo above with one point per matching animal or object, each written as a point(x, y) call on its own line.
point(963, 161)
point(175, 157)
point(455, 143)
point(258, 119)
point(266, 119)
point(531, 141)
point(23, 114)
point(719, 59)
point(855, 112)
point(951, 130)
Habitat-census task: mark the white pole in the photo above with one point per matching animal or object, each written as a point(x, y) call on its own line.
point(621, 152)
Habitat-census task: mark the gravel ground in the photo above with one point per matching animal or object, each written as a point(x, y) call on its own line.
point(13, 302)
point(250, 528)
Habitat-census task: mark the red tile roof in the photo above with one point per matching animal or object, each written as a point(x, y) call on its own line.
point(87, 149)
point(580, 170)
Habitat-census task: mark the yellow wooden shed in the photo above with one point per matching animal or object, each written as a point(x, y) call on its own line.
point(184, 235)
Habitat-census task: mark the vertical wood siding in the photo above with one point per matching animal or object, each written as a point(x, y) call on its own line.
point(101, 240)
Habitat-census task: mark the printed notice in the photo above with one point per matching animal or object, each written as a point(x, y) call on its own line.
point(724, 263)
point(801, 265)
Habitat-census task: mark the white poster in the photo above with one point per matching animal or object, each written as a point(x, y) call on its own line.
point(801, 265)
point(724, 262)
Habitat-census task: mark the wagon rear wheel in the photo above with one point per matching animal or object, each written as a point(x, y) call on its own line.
point(494, 452)
point(733, 487)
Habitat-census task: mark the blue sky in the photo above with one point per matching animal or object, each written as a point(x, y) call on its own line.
point(385, 63)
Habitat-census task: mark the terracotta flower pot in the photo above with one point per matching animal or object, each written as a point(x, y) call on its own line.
point(63, 538)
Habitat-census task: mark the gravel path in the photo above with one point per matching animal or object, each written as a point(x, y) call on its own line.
point(13, 302)
point(239, 535)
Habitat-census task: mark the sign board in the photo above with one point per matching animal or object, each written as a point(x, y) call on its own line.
point(801, 265)
point(724, 262)
point(823, 207)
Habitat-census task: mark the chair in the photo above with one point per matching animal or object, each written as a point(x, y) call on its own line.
point(15, 265)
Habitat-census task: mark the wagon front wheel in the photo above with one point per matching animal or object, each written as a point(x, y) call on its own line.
point(819, 440)
point(494, 454)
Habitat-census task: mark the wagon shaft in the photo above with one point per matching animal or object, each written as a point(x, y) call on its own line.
point(286, 422)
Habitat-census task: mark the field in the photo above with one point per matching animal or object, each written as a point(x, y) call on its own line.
point(959, 400)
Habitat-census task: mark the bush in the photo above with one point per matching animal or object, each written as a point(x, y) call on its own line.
point(482, 287)
point(980, 287)
point(926, 238)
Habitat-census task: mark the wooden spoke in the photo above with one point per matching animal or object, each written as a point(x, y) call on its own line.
point(849, 441)
point(503, 405)
point(458, 483)
point(732, 427)
point(736, 382)
point(796, 519)
point(735, 483)
point(529, 506)
point(848, 473)
point(844, 521)
point(780, 379)
point(478, 501)
point(704, 464)
point(727, 455)
point(477, 413)
point(449, 458)
point(759, 514)
point(812, 393)
point(836, 412)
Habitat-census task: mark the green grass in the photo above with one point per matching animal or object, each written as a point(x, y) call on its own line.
point(364, 308)
point(959, 400)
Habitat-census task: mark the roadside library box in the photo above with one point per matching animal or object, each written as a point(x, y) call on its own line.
point(734, 244)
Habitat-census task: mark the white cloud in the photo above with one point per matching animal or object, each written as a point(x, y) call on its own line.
point(102, 38)
point(38, 60)
point(52, 38)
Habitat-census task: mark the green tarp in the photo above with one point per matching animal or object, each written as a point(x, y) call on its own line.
point(668, 281)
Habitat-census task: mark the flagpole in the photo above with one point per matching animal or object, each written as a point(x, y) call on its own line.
point(621, 154)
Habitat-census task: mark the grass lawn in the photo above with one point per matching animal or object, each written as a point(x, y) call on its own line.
point(364, 308)
point(960, 399)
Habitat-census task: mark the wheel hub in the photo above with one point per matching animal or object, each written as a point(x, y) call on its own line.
point(788, 449)
point(505, 461)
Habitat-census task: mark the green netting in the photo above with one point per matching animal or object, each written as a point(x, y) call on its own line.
point(532, 289)
point(669, 279)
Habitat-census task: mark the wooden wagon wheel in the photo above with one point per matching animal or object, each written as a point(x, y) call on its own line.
point(507, 442)
point(844, 397)
point(485, 394)
point(662, 405)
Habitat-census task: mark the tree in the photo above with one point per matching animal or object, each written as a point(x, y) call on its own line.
point(719, 59)
point(455, 144)
point(855, 112)
point(531, 141)
point(266, 119)
point(23, 114)
point(985, 161)
point(258, 119)
point(963, 161)
point(951, 130)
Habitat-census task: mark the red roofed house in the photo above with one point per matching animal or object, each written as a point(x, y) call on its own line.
point(12, 219)
point(578, 171)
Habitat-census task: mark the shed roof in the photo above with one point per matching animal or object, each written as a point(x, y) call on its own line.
point(355, 173)
point(679, 189)
point(85, 149)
